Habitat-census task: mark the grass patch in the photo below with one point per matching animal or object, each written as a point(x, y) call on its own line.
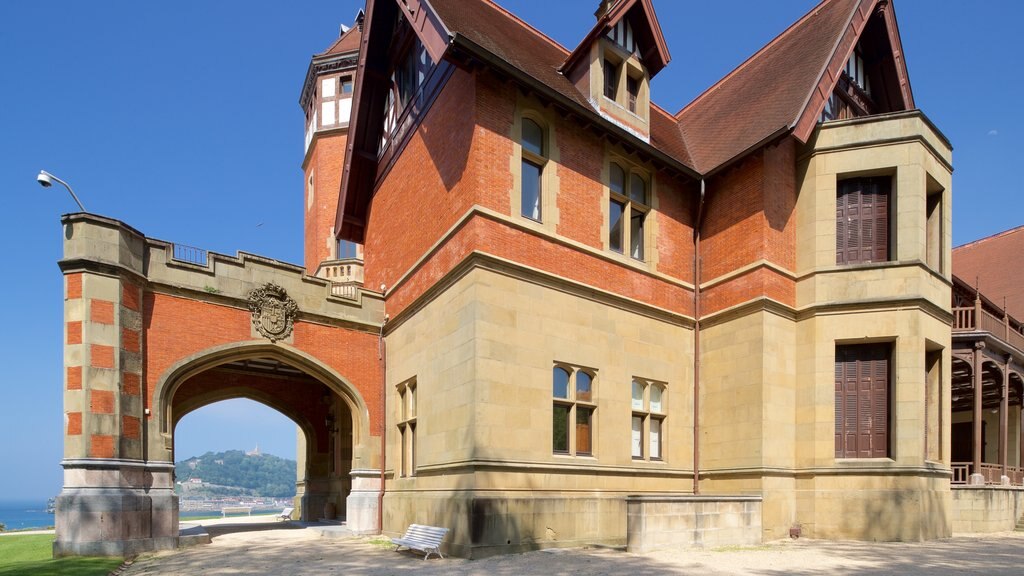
point(382, 542)
point(32, 555)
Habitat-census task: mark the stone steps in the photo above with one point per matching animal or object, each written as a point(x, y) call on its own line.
point(1020, 525)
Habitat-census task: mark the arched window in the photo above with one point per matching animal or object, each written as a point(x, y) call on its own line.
point(534, 158)
point(648, 420)
point(572, 390)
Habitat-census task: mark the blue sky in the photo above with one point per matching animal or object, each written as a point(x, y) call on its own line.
point(182, 120)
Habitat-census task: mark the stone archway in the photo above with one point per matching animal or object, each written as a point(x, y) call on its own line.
point(330, 412)
point(143, 330)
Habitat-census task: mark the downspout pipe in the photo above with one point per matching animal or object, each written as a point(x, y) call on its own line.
point(382, 358)
point(696, 337)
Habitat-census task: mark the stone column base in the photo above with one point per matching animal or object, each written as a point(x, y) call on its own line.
point(362, 505)
point(115, 508)
point(977, 480)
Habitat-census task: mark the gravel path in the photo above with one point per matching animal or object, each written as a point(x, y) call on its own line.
point(297, 551)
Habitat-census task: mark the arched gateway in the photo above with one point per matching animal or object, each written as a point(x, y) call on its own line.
point(152, 335)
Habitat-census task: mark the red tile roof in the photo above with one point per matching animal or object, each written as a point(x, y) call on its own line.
point(994, 265)
point(525, 48)
point(347, 42)
point(768, 92)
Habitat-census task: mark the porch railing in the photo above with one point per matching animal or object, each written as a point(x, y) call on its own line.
point(961, 472)
point(985, 318)
point(992, 473)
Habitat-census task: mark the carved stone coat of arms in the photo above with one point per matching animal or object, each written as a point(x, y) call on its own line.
point(273, 311)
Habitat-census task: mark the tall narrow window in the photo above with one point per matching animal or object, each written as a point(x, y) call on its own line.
point(862, 220)
point(632, 92)
point(862, 401)
point(572, 429)
point(627, 211)
point(611, 80)
point(407, 427)
point(648, 419)
point(534, 159)
point(933, 228)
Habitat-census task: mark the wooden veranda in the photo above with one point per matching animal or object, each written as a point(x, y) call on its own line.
point(987, 391)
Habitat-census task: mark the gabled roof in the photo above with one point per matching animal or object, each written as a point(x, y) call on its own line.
point(347, 42)
point(993, 265)
point(506, 37)
point(784, 85)
point(654, 52)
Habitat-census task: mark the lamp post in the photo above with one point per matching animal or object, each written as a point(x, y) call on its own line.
point(45, 180)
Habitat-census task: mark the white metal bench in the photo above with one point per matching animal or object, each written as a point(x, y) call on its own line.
point(426, 539)
point(235, 510)
point(285, 514)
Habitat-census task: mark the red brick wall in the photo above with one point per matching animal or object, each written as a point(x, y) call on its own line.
point(177, 328)
point(326, 162)
point(459, 157)
point(750, 217)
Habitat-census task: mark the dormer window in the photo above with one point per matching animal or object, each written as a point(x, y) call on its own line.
point(622, 35)
point(857, 72)
point(611, 79)
point(632, 91)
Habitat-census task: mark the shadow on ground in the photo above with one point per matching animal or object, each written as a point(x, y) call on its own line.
point(279, 549)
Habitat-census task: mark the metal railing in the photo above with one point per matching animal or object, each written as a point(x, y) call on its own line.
point(190, 254)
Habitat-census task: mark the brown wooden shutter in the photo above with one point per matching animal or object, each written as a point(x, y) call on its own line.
point(862, 220)
point(862, 401)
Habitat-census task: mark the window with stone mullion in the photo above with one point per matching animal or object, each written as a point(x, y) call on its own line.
point(627, 211)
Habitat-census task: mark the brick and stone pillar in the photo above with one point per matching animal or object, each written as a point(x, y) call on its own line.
point(114, 502)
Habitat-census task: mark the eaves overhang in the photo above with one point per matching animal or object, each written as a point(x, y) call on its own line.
point(465, 45)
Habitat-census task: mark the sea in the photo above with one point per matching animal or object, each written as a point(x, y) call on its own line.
point(25, 514)
point(29, 514)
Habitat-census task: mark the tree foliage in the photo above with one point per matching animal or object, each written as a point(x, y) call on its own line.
point(235, 473)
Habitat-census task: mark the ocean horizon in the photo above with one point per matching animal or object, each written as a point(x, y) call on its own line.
point(25, 514)
point(32, 514)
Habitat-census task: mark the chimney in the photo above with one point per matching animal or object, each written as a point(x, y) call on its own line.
point(603, 7)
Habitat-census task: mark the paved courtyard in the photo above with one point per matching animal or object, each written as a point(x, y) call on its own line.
point(279, 549)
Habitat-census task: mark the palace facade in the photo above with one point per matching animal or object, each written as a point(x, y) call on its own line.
point(540, 310)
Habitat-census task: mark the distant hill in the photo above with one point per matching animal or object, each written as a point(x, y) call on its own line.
point(235, 473)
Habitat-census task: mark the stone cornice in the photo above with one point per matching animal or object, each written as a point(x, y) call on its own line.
point(319, 65)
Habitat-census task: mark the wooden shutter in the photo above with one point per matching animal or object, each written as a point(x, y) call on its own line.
point(862, 220)
point(862, 401)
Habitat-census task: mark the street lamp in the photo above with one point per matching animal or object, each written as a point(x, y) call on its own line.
point(45, 180)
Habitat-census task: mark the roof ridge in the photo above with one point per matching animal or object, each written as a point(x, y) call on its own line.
point(991, 237)
point(751, 58)
point(527, 25)
point(336, 42)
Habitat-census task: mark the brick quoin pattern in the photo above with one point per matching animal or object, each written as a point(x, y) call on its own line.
point(102, 356)
point(74, 378)
point(74, 286)
point(101, 402)
point(177, 328)
point(74, 332)
point(101, 446)
point(131, 427)
point(130, 296)
point(130, 340)
point(74, 424)
point(101, 311)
